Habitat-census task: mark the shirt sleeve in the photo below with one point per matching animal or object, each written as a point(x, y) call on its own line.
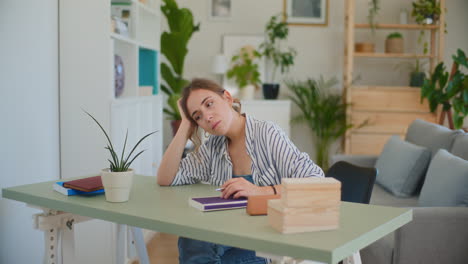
point(194, 167)
point(290, 162)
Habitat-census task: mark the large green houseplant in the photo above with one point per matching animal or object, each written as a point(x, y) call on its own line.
point(118, 178)
point(449, 90)
point(244, 71)
point(276, 58)
point(174, 48)
point(323, 111)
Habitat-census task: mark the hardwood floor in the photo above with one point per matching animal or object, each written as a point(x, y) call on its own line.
point(162, 249)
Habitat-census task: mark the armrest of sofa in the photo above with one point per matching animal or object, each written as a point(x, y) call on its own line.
point(359, 160)
point(436, 235)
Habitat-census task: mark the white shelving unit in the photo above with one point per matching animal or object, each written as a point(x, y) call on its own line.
point(87, 46)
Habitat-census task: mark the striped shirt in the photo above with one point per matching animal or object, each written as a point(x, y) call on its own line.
point(273, 157)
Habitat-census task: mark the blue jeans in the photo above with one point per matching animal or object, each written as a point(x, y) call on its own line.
point(193, 251)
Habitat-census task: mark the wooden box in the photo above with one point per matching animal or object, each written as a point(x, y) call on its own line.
point(258, 204)
point(310, 192)
point(297, 220)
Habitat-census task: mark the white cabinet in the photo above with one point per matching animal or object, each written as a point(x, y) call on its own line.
point(278, 111)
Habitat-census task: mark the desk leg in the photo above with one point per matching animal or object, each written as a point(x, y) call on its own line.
point(140, 245)
point(120, 248)
point(353, 259)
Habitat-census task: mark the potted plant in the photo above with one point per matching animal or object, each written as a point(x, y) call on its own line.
point(448, 90)
point(323, 111)
point(174, 48)
point(118, 178)
point(394, 43)
point(244, 71)
point(373, 11)
point(425, 12)
point(277, 31)
point(417, 75)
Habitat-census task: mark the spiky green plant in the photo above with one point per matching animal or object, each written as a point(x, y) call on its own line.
point(120, 164)
point(322, 110)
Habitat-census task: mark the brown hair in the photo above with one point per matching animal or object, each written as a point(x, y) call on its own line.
point(202, 84)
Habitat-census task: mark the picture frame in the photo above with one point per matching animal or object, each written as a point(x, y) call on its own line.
point(232, 44)
point(219, 10)
point(306, 12)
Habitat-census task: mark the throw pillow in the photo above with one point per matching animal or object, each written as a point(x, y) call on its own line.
point(460, 146)
point(430, 135)
point(401, 166)
point(446, 181)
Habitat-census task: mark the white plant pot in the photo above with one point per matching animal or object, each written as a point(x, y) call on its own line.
point(247, 92)
point(117, 185)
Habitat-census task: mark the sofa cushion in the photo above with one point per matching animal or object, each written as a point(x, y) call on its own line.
point(430, 135)
point(401, 166)
point(460, 146)
point(380, 196)
point(446, 181)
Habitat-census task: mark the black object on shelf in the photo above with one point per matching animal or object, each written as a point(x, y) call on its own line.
point(270, 90)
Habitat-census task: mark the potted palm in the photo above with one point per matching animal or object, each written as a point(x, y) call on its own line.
point(118, 178)
point(244, 71)
point(174, 48)
point(323, 111)
point(277, 31)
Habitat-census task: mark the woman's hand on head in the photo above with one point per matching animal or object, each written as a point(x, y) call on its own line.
point(240, 187)
point(185, 120)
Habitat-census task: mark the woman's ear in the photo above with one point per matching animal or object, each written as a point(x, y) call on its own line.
point(228, 96)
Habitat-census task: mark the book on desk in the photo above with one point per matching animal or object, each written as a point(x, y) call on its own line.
point(84, 186)
point(216, 203)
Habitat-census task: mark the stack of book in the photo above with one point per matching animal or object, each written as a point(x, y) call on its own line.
point(307, 204)
point(85, 186)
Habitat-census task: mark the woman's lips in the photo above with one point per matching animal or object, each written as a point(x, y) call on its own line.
point(215, 125)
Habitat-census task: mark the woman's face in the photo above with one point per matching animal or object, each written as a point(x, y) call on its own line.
point(211, 111)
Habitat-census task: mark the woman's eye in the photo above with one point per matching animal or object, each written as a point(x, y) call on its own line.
point(209, 104)
point(197, 117)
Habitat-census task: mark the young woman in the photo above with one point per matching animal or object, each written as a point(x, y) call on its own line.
point(243, 155)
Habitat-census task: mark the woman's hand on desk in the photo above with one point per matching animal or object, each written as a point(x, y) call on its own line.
point(240, 187)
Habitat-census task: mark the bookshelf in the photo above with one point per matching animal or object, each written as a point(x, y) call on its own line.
point(87, 45)
point(388, 109)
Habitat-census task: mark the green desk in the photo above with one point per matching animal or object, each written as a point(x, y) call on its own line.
point(166, 209)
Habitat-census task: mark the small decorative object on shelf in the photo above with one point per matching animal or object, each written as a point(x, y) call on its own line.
point(121, 12)
point(403, 16)
point(394, 43)
point(118, 178)
point(119, 75)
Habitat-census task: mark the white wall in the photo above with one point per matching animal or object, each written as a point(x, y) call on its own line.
point(320, 49)
point(29, 136)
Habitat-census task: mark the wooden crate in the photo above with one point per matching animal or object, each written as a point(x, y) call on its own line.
point(297, 220)
point(310, 192)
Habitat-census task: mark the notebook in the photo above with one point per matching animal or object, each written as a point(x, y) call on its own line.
point(89, 184)
point(58, 186)
point(216, 203)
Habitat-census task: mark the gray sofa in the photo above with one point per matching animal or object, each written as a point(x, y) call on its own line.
point(438, 232)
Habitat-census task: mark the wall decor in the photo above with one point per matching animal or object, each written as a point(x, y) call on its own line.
point(119, 76)
point(232, 44)
point(306, 12)
point(219, 10)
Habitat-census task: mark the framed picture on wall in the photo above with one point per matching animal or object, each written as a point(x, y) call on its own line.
point(306, 12)
point(219, 10)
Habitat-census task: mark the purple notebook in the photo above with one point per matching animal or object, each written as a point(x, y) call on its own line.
point(216, 203)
